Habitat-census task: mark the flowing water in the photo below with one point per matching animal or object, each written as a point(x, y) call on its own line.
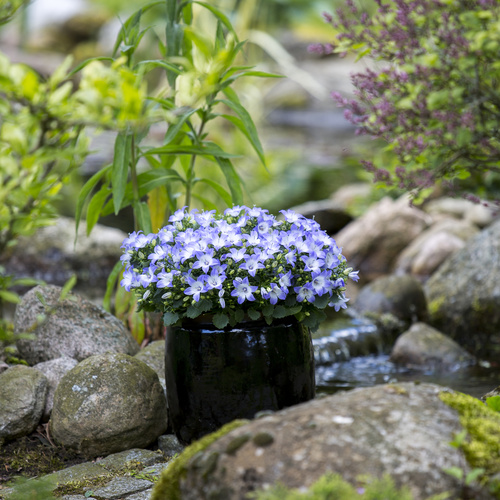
point(351, 352)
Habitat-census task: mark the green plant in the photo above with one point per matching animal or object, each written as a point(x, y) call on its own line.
point(199, 72)
point(434, 97)
point(334, 487)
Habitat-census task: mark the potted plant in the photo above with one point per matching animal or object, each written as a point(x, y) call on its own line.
point(239, 293)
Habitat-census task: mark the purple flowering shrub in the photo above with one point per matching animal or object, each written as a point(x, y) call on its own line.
point(434, 95)
point(241, 263)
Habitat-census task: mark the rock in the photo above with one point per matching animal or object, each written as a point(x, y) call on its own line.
point(433, 246)
point(402, 430)
point(169, 445)
point(426, 348)
point(54, 371)
point(154, 356)
point(51, 255)
point(464, 293)
point(108, 403)
point(74, 328)
point(352, 195)
point(22, 395)
point(400, 295)
point(372, 242)
point(327, 213)
point(459, 208)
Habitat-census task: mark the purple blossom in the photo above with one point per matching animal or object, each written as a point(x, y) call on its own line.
point(196, 287)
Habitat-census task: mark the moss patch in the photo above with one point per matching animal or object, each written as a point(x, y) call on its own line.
point(168, 486)
point(482, 424)
point(333, 486)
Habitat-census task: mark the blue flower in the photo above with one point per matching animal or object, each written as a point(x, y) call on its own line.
point(243, 290)
point(304, 293)
point(273, 293)
point(205, 261)
point(196, 288)
point(252, 264)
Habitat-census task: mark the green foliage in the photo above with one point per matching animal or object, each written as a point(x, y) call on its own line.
point(8, 8)
point(333, 487)
point(168, 485)
point(197, 73)
point(434, 97)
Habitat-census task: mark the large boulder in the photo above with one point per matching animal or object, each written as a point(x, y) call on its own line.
point(431, 248)
point(400, 295)
point(54, 370)
point(73, 327)
point(464, 294)
point(403, 430)
point(372, 242)
point(108, 403)
point(424, 347)
point(331, 216)
point(53, 255)
point(22, 399)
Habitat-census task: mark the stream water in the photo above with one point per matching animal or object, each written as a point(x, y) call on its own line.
point(352, 352)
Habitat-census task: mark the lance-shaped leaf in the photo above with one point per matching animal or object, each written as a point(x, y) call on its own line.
point(119, 173)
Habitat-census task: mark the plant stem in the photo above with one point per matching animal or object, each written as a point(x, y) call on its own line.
point(135, 183)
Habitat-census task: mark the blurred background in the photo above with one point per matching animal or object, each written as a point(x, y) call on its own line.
point(311, 151)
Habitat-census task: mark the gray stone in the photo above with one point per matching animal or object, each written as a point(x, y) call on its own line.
point(117, 461)
point(108, 403)
point(54, 371)
point(398, 429)
point(330, 215)
point(73, 327)
point(120, 486)
point(464, 293)
point(143, 495)
point(372, 242)
point(460, 208)
point(169, 445)
point(154, 356)
point(22, 396)
point(400, 295)
point(426, 348)
point(433, 246)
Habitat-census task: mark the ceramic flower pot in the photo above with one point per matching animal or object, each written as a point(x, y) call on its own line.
point(214, 376)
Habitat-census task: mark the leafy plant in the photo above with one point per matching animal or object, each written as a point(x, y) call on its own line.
point(198, 72)
point(434, 97)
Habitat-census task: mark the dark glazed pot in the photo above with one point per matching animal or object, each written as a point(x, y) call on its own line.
point(214, 376)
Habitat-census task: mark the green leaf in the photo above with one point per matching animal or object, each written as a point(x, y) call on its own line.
point(220, 16)
point(455, 472)
point(154, 63)
point(141, 212)
point(175, 128)
point(95, 207)
point(7, 296)
point(322, 302)
point(119, 173)
point(82, 65)
point(220, 320)
point(473, 475)
point(110, 284)
point(170, 318)
point(493, 402)
point(68, 286)
point(245, 122)
point(84, 193)
point(185, 149)
point(253, 314)
point(280, 311)
point(232, 179)
point(226, 197)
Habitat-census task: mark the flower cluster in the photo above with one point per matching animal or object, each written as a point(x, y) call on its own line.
point(244, 262)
